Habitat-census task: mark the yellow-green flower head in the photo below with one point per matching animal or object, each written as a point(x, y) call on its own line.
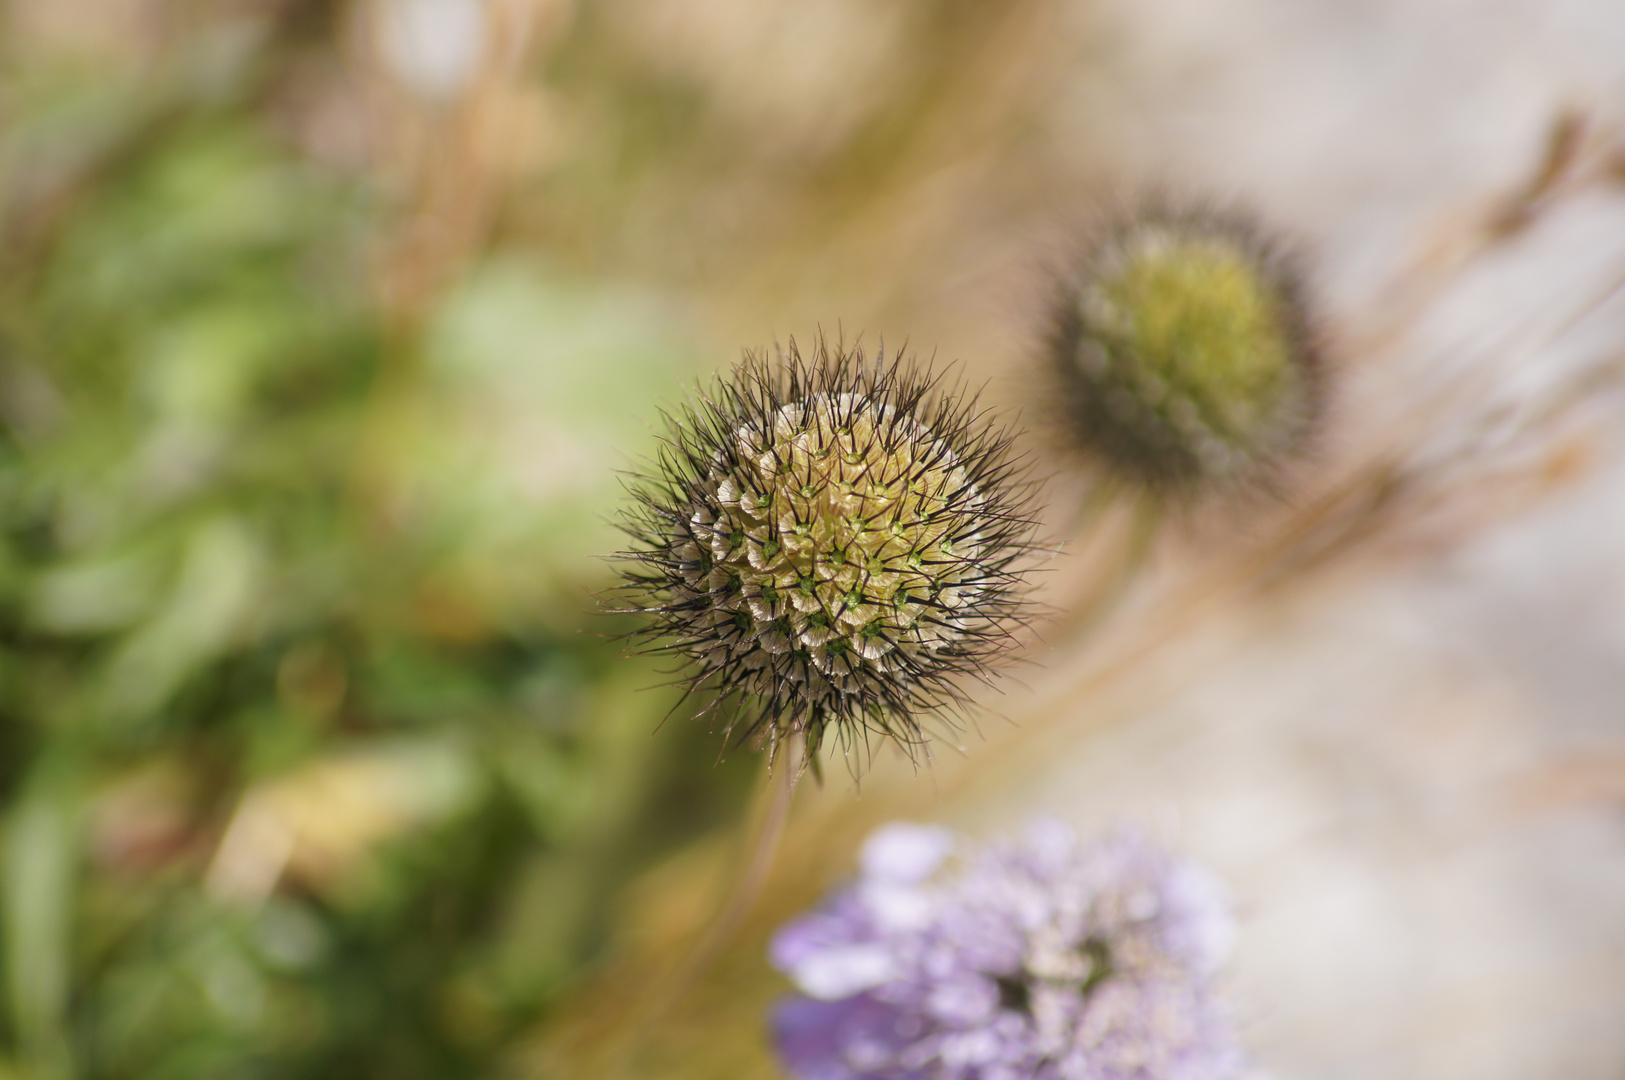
point(1182, 353)
point(832, 541)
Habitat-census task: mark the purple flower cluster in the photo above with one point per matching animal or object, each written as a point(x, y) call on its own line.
point(1043, 959)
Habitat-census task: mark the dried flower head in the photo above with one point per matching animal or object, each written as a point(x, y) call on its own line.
point(1180, 352)
point(1046, 959)
point(831, 541)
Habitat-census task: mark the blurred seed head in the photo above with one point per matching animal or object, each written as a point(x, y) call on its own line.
point(1180, 353)
point(831, 541)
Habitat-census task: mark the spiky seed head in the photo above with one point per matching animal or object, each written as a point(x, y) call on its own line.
point(1181, 352)
point(831, 542)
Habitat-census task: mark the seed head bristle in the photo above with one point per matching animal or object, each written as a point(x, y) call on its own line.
point(1181, 354)
point(831, 542)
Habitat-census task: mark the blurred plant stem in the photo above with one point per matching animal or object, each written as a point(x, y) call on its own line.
point(449, 161)
point(763, 829)
point(43, 849)
point(446, 164)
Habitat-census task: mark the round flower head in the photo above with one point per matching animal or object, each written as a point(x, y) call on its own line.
point(1180, 352)
point(1046, 959)
point(831, 541)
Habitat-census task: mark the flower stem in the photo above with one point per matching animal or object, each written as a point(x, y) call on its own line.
point(763, 829)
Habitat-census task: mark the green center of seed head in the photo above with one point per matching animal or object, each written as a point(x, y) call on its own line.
point(847, 515)
point(1199, 315)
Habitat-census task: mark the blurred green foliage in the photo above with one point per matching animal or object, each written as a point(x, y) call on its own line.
point(312, 762)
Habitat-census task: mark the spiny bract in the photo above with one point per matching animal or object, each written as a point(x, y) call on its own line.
point(831, 541)
point(1181, 353)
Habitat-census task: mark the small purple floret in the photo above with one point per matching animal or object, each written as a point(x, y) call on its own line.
point(1043, 959)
